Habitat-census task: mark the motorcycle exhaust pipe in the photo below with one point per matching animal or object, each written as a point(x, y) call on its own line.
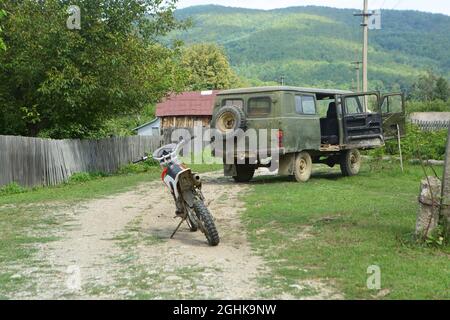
point(197, 179)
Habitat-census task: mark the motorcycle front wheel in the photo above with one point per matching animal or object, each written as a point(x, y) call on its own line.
point(192, 223)
point(207, 221)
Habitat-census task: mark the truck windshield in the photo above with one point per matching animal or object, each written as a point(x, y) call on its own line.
point(362, 104)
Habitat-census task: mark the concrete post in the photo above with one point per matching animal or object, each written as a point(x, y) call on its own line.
point(445, 197)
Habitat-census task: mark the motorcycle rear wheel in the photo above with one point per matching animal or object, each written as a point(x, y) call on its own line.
point(207, 221)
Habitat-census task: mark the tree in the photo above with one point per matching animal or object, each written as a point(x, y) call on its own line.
point(60, 83)
point(430, 87)
point(442, 90)
point(424, 88)
point(2, 44)
point(208, 68)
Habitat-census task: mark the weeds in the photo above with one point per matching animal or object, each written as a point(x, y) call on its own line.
point(12, 188)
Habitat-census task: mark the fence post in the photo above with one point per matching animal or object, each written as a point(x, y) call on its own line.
point(445, 198)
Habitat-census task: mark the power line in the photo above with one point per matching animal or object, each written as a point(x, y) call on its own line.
point(375, 5)
point(398, 3)
point(372, 1)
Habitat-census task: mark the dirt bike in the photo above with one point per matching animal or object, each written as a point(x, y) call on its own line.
point(186, 189)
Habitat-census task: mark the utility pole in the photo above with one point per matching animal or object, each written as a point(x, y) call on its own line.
point(365, 24)
point(358, 80)
point(366, 44)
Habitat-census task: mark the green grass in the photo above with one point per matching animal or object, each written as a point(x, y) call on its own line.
point(84, 187)
point(331, 228)
point(334, 228)
point(21, 228)
point(76, 191)
point(12, 188)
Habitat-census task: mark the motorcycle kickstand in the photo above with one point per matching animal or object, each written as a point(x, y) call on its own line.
point(176, 230)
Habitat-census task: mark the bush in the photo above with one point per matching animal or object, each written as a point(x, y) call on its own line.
point(428, 106)
point(142, 167)
point(12, 188)
point(429, 144)
point(82, 177)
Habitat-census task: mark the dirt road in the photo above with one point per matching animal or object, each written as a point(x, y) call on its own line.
point(119, 247)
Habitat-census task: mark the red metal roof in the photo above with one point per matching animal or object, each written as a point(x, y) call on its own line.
point(187, 104)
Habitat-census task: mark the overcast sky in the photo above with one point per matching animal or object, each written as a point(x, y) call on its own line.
point(435, 6)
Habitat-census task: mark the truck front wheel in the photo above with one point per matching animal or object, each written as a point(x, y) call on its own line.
point(245, 172)
point(350, 162)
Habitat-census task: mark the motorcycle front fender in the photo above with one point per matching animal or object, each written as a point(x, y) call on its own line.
point(181, 181)
point(188, 197)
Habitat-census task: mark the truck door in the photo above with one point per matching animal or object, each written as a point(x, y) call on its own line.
point(362, 119)
point(393, 114)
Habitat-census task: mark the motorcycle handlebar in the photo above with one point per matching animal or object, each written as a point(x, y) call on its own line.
point(140, 160)
point(176, 150)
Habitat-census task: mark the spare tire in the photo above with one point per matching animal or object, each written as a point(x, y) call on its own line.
point(228, 120)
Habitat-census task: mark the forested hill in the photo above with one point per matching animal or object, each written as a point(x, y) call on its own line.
point(314, 46)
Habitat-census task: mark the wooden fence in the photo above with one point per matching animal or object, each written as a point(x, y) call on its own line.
point(35, 162)
point(431, 125)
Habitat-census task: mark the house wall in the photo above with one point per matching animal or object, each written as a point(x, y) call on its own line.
point(185, 121)
point(148, 131)
point(153, 129)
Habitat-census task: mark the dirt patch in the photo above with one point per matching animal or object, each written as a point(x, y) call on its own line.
point(228, 271)
point(109, 246)
point(119, 247)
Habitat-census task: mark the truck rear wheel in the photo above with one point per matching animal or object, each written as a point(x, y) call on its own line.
point(245, 172)
point(302, 167)
point(350, 162)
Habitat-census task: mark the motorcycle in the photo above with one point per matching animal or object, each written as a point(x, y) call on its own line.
point(186, 189)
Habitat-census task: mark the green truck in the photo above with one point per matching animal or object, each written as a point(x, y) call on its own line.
point(311, 125)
